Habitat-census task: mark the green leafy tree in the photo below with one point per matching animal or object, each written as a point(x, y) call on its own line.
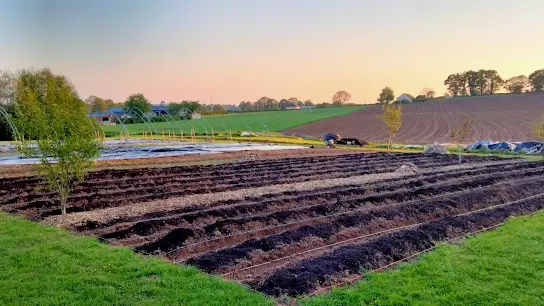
point(473, 82)
point(391, 116)
point(387, 95)
point(308, 103)
point(457, 84)
point(517, 84)
point(537, 80)
point(138, 101)
point(494, 80)
point(56, 130)
point(341, 97)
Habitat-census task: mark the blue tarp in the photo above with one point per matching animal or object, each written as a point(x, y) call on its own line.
point(528, 147)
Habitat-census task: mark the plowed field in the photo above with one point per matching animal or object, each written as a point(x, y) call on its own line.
point(290, 226)
point(499, 118)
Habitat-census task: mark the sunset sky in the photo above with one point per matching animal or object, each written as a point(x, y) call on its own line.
point(237, 50)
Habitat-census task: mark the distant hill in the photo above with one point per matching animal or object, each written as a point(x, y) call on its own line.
point(500, 117)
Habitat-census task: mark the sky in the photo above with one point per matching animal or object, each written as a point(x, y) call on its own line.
point(240, 50)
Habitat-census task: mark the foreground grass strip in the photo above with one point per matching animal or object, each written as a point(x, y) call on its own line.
point(502, 267)
point(46, 266)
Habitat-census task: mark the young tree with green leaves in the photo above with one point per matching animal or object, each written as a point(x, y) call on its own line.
point(391, 116)
point(56, 130)
point(460, 132)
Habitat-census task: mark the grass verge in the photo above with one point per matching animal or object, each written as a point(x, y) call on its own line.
point(46, 266)
point(502, 267)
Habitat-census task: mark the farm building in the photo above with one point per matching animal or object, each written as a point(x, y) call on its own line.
point(103, 117)
point(117, 111)
point(159, 109)
point(405, 98)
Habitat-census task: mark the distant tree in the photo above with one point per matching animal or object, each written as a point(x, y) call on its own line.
point(138, 101)
point(460, 132)
point(265, 103)
point(284, 103)
point(308, 103)
point(387, 95)
point(245, 106)
point(420, 98)
point(293, 100)
point(8, 87)
point(457, 84)
point(428, 92)
point(474, 82)
point(391, 116)
point(341, 97)
point(517, 84)
point(537, 80)
point(99, 105)
point(56, 130)
point(110, 103)
point(482, 82)
point(494, 81)
point(300, 103)
point(175, 107)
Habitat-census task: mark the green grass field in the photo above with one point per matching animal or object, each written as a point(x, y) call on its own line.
point(256, 122)
point(46, 266)
point(502, 267)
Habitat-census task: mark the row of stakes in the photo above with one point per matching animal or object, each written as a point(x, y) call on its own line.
point(167, 135)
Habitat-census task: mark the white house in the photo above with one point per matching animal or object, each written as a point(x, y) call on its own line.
point(406, 98)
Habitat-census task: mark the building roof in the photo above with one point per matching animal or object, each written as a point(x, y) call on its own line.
point(159, 108)
point(116, 110)
point(408, 95)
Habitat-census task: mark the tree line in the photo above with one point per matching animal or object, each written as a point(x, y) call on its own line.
point(489, 82)
point(140, 101)
point(340, 98)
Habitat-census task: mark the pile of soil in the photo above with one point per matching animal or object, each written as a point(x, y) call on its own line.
point(408, 169)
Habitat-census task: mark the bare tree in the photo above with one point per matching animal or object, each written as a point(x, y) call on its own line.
point(460, 132)
point(341, 97)
point(428, 92)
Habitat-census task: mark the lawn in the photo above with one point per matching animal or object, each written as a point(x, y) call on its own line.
point(502, 267)
point(46, 266)
point(256, 122)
